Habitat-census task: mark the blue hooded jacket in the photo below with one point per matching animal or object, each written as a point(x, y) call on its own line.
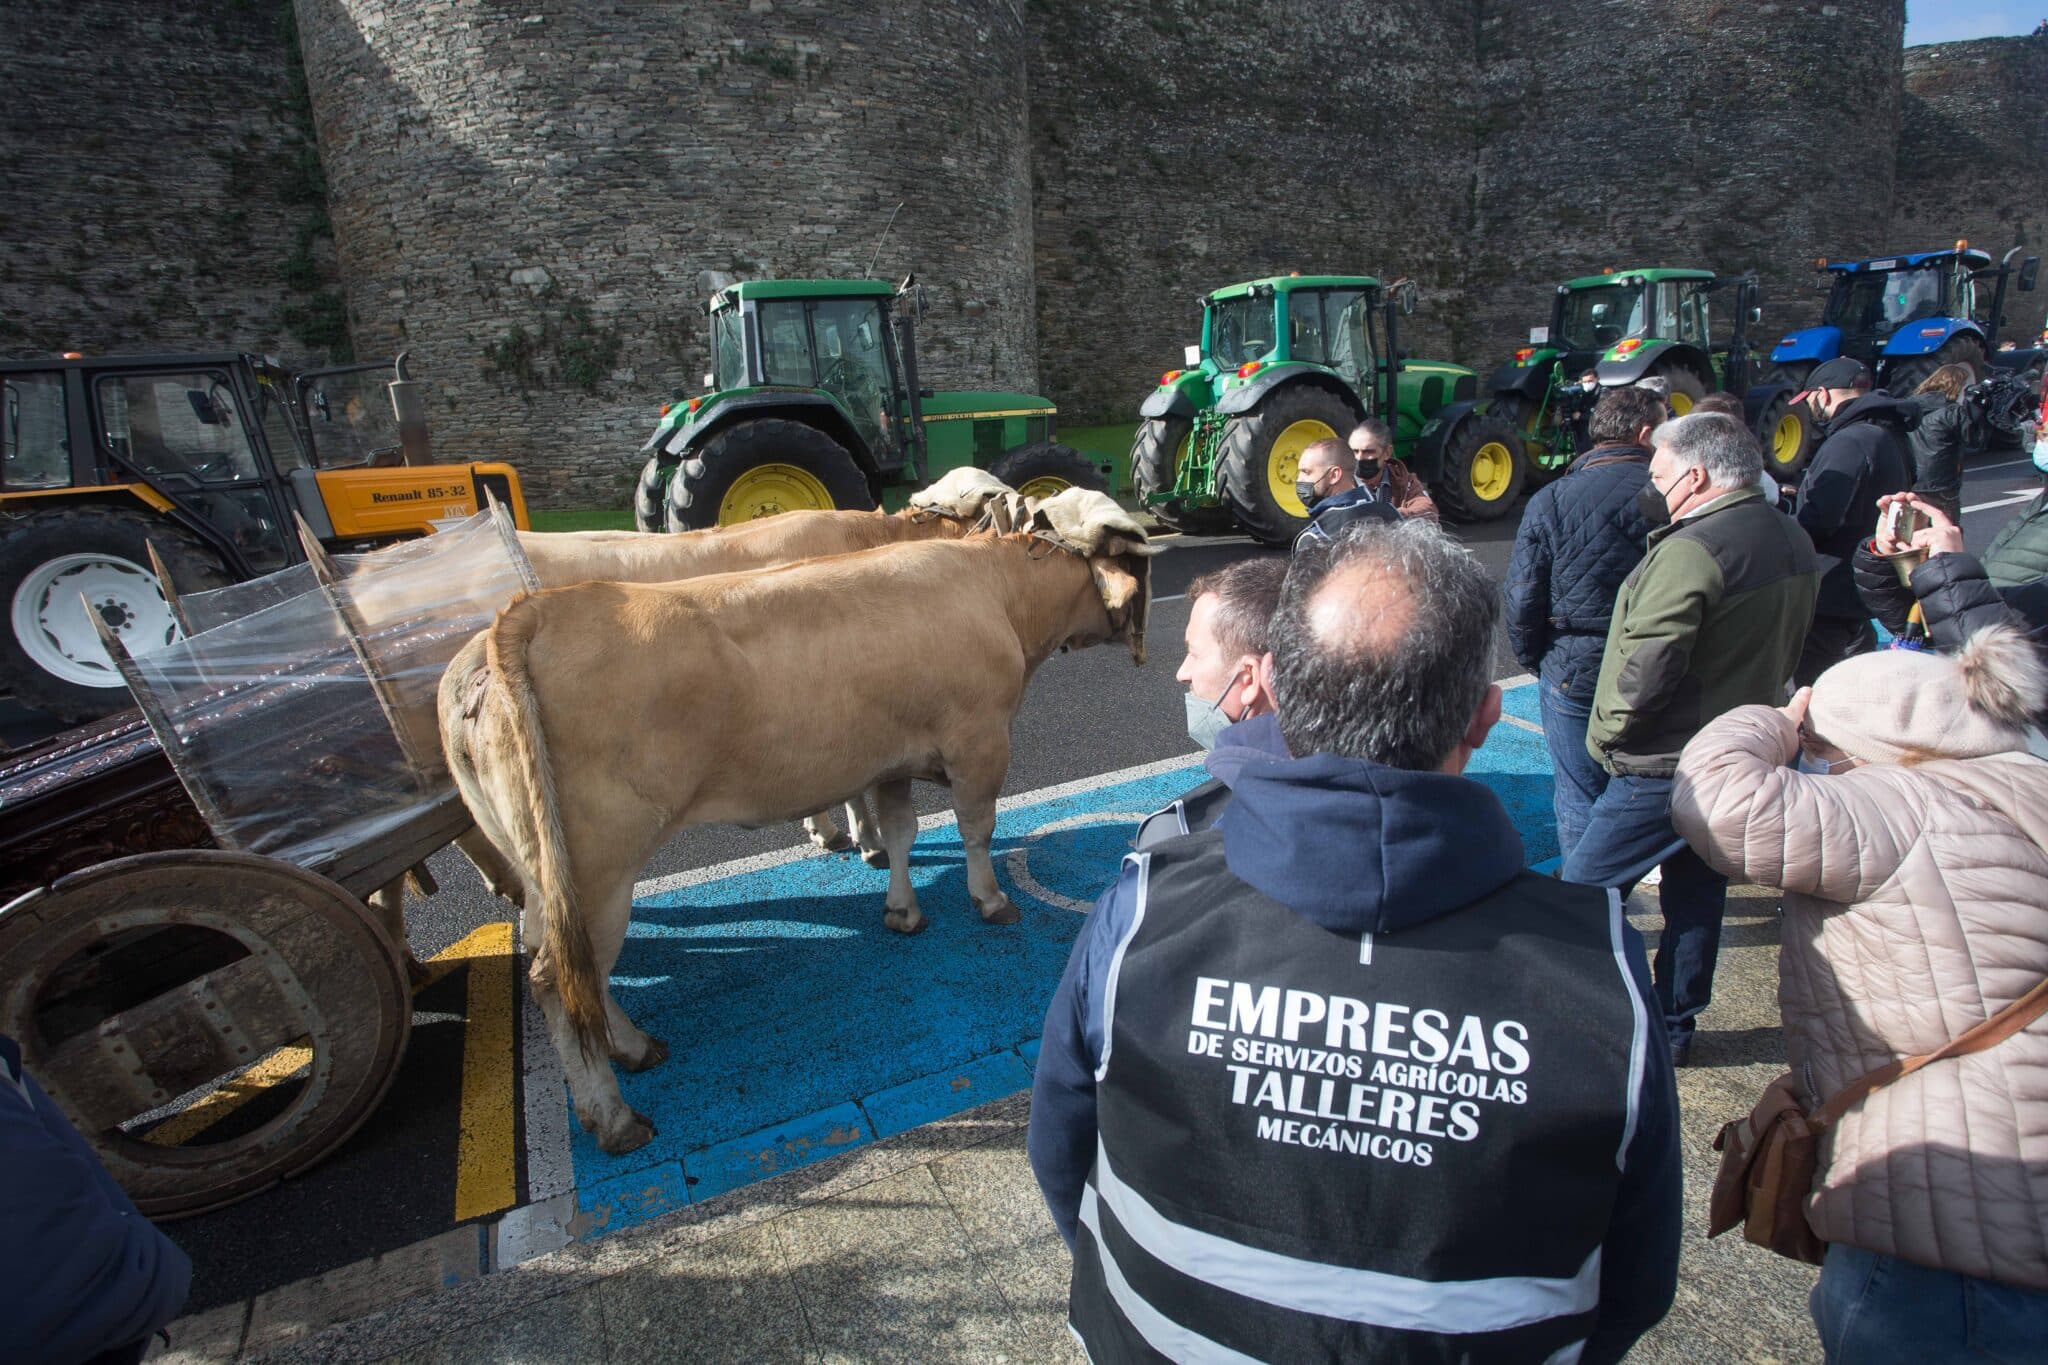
point(81, 1271)
point(1418, 845)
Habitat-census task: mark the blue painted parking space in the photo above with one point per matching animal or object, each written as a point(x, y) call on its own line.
point(800, 1027)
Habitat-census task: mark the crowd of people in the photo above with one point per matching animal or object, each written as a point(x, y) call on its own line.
point(1426, 1109)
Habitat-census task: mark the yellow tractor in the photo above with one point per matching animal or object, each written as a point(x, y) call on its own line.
point(114, 469)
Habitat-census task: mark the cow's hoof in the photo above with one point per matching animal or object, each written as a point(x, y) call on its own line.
point(835, 842)
point(656, 1054)
point(630, 1137)
point(1001, 913)
point(875, 857)
point(904, 921)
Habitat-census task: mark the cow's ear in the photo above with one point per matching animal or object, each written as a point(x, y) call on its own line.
point(1125, 583)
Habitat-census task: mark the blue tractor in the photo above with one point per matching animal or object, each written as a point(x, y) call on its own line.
point(1907, 315)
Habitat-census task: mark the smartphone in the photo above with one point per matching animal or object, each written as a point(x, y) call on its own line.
point(1901, 520)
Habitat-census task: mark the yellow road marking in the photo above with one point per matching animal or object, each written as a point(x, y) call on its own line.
point(486, 1173)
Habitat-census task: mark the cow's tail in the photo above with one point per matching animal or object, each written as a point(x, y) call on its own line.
point(564, 961)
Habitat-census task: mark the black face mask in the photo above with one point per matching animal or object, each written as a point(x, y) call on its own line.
point(1368, 470)
point(1650, 505)
point(1305, 489)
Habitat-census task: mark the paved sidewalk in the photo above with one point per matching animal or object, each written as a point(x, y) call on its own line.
point(933, 1245)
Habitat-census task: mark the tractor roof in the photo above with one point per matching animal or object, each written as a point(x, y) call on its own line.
point(140, 360)
point(1910, 260)
point(1636, 275)
point(1283, 283)
point(802, 289)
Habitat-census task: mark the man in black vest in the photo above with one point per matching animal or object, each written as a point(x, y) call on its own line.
point(1338, 1078)
point(1326, 481)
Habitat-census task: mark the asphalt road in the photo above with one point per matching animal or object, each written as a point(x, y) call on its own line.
point(1085, 714)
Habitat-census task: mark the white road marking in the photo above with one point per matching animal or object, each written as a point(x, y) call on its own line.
point(2023, 495)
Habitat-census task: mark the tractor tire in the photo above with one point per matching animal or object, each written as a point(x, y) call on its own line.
point(1514, 410)
point(1902, 377)
point(1792, 372)
point(648, 494)
point(1044, 468)
point(1683, 388)
point(758, 467)
point(1485, 468)
point(50, 655)
point(1787, 439)
point(1155, 463)
point(1261, 451)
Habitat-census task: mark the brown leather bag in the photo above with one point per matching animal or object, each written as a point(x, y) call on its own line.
point(1769, 1159)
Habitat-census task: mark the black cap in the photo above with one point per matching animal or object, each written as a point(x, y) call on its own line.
point(1843, 372)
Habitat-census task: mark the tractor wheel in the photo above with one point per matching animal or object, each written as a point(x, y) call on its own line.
point(1683, 388)
point(1792, 372)
point(1261, 452)
point(1787, 439)
point(647, 494)
point(761, 466)
point(50, 655)
point(1156, 454)
point(1515, 410)
point(1485, 466)
point(1045, 468)
point(1902, 377)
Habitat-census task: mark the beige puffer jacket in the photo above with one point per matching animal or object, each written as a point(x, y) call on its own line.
point(1916, 905)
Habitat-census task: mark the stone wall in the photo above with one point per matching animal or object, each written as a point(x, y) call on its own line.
point(1973, 157)
point(1178, 147)
point(531, 196)
point(1714, 133)
point(526, 195)
point(159, 189)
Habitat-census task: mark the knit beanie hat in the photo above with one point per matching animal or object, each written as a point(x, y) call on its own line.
point(1908, 706)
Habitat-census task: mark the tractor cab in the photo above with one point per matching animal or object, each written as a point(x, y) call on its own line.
point(1908, 314)
point(813, 402)
point(116, 470)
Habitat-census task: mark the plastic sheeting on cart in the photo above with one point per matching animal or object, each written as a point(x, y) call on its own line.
point(301, 714)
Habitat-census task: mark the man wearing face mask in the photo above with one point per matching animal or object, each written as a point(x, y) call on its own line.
point(1326, 481)
point(1713, 618)
point(1862, 457)
point(1228, 615)
point(1386, 478)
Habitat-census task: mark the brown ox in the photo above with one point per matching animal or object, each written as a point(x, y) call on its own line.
point(750, 699)
point(947, 509)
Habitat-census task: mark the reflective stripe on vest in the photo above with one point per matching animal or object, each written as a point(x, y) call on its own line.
point(1304, 1154)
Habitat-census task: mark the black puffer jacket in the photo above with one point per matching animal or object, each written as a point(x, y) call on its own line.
point(1862, 458)
point(1936, 448)
point(1957, 599)
point(1580, 537)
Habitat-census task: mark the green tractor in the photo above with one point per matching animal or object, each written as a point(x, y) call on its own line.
point(1285, 362)
point(1627, 325)
point(813, 402)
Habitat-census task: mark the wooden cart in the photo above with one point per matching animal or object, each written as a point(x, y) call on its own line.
point(217, 1019)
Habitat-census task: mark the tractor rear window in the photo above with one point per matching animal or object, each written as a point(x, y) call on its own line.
point(1241, 330)
point(34, 450)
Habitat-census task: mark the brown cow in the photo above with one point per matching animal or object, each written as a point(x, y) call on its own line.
point(750, 699)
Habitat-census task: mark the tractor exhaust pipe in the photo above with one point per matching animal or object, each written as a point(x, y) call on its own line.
point(409, 406)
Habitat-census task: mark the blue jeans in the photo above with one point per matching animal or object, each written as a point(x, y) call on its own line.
point(1628, 833)
point(1878, 1308)
point(1580, 780)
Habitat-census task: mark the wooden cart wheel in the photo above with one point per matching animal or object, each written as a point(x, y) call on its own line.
point(212, 1022)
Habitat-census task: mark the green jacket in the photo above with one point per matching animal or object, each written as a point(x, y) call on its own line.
point(1712, 619)
point(2019, 552)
